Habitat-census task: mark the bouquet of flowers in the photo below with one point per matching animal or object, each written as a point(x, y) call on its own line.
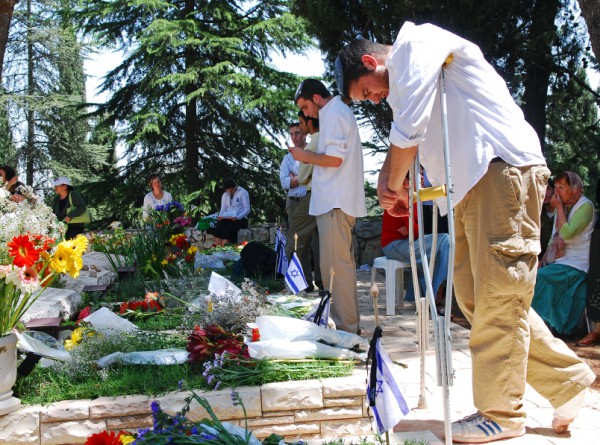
point(170, 216)
point(178, 429)
point(30, 215)
point(34, 263)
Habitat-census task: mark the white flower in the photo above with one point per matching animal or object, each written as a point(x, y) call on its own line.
point(28, 216)
point(24, 278)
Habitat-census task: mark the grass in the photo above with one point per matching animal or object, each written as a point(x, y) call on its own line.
point(45, 386)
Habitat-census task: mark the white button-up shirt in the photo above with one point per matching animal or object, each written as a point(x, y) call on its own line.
point(484, 122)
point(342, 187)
point(237, 205)
point(290, 165)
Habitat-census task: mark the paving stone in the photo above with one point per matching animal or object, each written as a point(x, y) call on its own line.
point(66, 410)
point(294, 430)
point(21, 427)
point(285, 396)
point(75, 432)
point(344, 428)
point(345, 386)
point(329, 413)
point(131, 422)
point(103, 407)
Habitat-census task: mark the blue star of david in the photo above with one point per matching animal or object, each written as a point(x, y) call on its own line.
point(295, 273)
point(379, 386)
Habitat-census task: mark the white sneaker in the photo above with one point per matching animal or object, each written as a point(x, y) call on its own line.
point(479, 429)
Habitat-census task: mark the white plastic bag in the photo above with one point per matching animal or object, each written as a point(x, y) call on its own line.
point(292, 350)
point(171, 356)
point(287, 328)
point(47, 346)
point(109, 323)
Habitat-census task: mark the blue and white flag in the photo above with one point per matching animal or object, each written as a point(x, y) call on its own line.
point(282, 261)
point(385, 394)
point(320, 316)
point(294, 276)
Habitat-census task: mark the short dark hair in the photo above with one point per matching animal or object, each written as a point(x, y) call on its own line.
point(309, 87)
point(294, 124)
point(349, 66)
point(229, 183)
point(314, 120)
point(9, 172)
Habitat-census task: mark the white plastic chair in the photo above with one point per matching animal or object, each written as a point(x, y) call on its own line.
point(390, 267)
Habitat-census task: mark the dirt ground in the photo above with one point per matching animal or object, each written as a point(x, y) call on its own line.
point(590, 354)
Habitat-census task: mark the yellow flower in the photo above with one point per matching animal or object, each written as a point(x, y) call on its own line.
point(75, 339)
point(61, 258)
point(164, 262)
point(125, 439)
point(75, 266)
point(79, 245)
point(192, 250)
point(67, 258)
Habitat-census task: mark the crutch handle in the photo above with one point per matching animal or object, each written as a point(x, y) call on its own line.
point(430, 193)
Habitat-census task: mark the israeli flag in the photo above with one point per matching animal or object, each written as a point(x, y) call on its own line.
point(320, 316)
point(294, 276)
point(282, 261)
point(385, 394)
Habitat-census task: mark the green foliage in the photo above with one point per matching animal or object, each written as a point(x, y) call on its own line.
point(196, 97)
point(44, 89)
point(539, 48)
point(80, 379)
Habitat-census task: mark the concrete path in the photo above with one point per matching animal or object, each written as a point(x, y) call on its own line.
point(399, 340)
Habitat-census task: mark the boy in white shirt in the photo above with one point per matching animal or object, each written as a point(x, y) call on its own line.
point(338, 195)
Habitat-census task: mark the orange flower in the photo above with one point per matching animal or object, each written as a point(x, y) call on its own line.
point(23, 251)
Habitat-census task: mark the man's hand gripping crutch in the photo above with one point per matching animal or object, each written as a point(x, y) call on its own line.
point(394, 197)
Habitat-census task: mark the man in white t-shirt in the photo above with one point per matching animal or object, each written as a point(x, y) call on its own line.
point(499, 177)
point(338, 195)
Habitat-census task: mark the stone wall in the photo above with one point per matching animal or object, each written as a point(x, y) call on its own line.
point(366, 238)
point(312, 409)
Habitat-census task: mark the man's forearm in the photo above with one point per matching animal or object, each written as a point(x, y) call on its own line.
point(320, 159)
point(399, 161)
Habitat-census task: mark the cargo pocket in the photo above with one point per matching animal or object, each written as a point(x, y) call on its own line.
point(512, 267)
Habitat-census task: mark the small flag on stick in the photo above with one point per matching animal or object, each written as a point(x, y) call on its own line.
point(383, 391)
point(320, 316)
point(282, 261)
point(294, 276)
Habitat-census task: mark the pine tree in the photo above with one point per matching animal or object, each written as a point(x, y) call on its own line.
point(45, 90)
point(195, 97)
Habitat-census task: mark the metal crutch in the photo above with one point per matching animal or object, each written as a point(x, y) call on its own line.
point(443, 347)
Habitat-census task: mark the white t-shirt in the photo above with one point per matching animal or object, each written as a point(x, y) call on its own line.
point(150, 202)
point(484, 122)
point(342, 187)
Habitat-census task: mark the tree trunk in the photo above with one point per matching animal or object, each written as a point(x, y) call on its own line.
point(30, 142)
point(6, 11)
point(590, 9)
point(191, 119)
point(539, 66)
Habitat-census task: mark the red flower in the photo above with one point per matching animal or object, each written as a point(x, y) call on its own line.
point(84, 313)
point(103, 438)
point(255, 334)
point(23, 251)
point(203, 344)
